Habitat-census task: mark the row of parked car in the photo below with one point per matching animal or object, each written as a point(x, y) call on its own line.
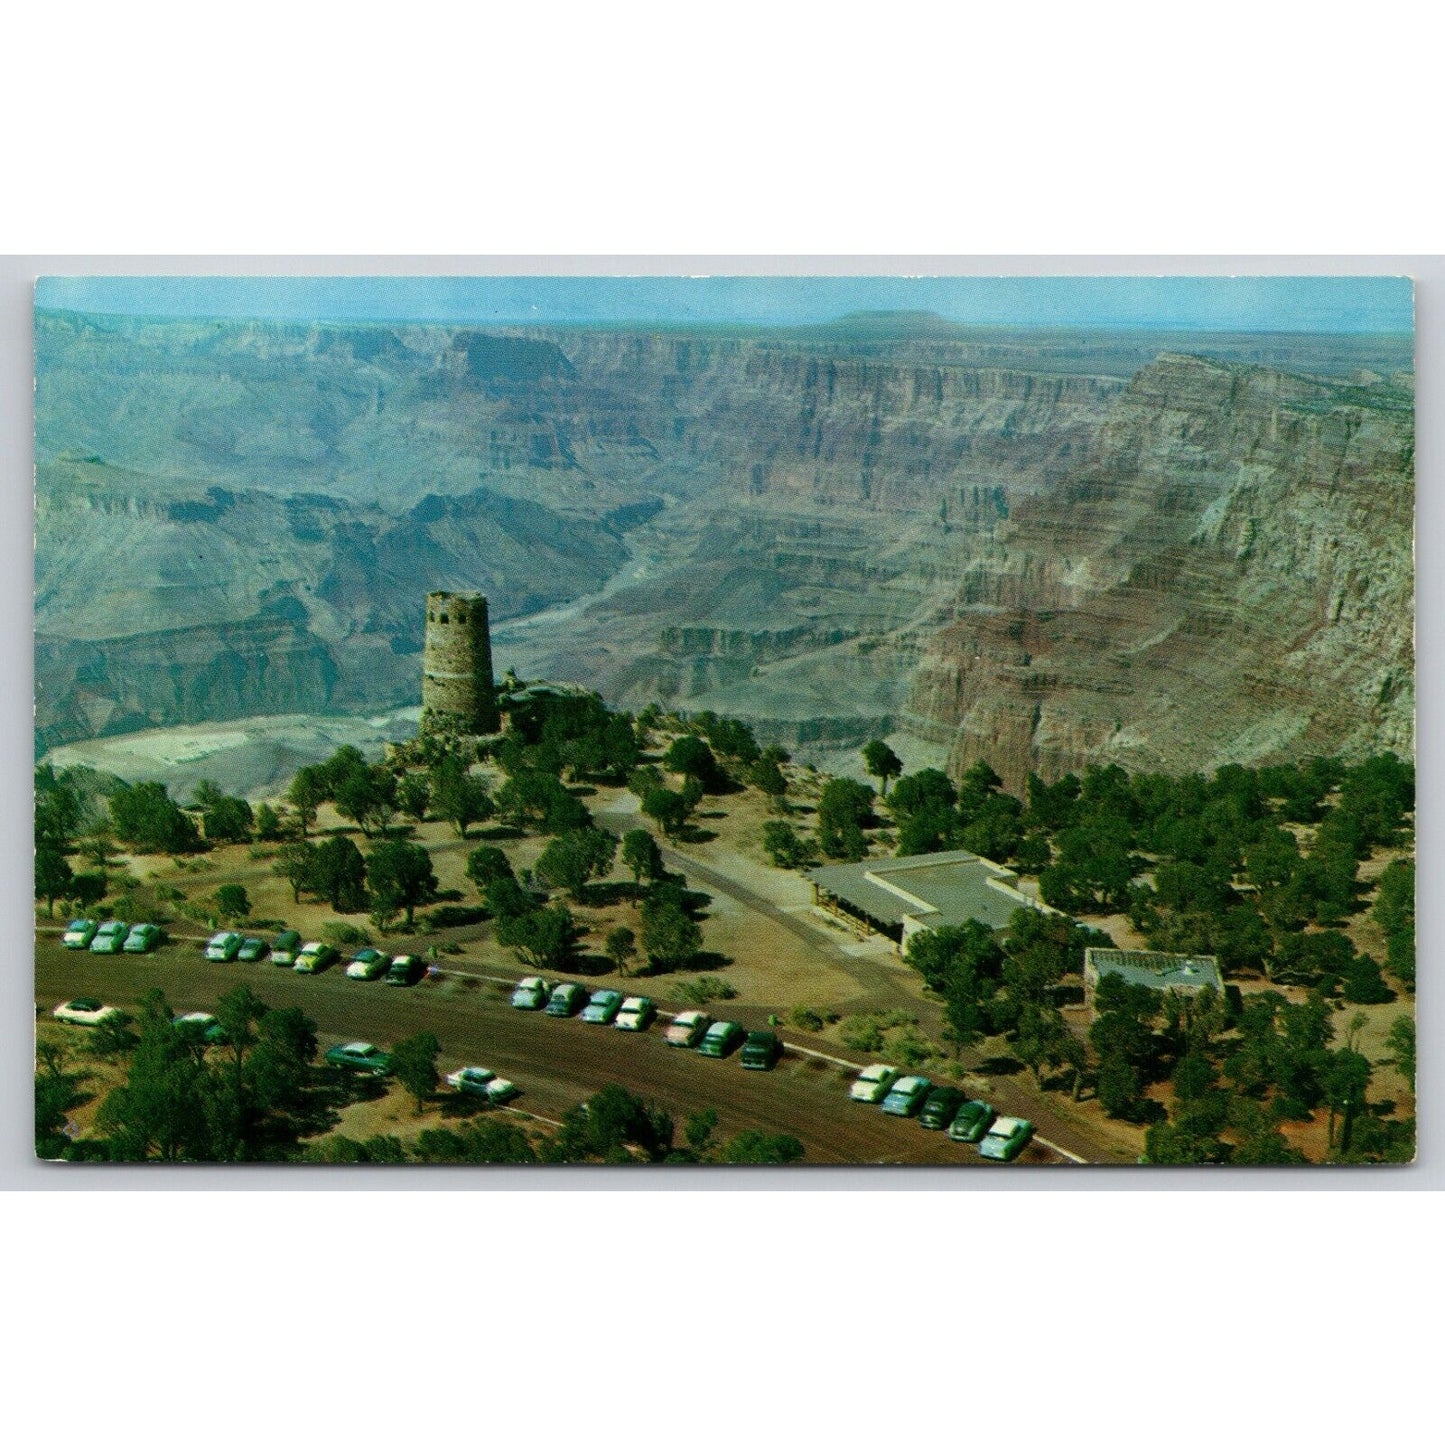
point(712, 1038)
point(941, 1106)
point(111, 936)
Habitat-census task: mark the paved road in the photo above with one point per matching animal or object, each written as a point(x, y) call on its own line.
point(556, 1062)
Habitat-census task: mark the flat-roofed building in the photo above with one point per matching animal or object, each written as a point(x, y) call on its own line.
point(1165, 972)
point(900, 896)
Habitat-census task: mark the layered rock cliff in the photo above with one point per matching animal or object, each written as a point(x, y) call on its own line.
point(1226, 577)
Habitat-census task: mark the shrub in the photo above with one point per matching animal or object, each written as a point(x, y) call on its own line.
point(811, 1019)
point(861, 1032)
point(704, 990)
point(344, 935)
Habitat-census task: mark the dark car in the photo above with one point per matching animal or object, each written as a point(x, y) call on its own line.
point(721, 1039)
point(761, 1049)
point(971, 1122)
point(285, 949)
point(364, 1058)
point(566, 999)
point(942, 1104)
point(404, 971)
point(253, 950)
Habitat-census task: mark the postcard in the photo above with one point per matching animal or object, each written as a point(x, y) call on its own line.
point(950, 721)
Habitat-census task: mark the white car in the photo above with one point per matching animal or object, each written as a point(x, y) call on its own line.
point(474, 1080)
point(873, 1084)
point(224, 947)
point(88, 1011)
point(687, 1028)
point(636, 1013)
point(80, 932)
point(530, 992)
point(369, 963)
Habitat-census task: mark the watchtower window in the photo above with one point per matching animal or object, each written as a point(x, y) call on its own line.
point(444, 617)
point(431, 617)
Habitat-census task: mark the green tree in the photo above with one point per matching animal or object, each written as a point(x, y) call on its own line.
point(414, 1063)
point(692, 757)
point(768, 778)
point(845, 807)
point(338, 875)
point(400, 876)
point(571, 859)
point(670, 938)
point(269, 826)
point(641, 856)
point(232, 901)
point(146, 818)
point(1394, 911)
point(620, 947)
point(753, 1146)
point(667, 808)
point(882, 762)
point(1401, 1040)
point(413, 797)
point(154, 1113)
point(296, 863)
point(278, 1069)
point(366, 795)
point(486, 864)
point(459, 797)
point(236, 1115)
point(609, 1127)
point(542, 939)
point(506, 898)
point(59, 810)
point(228, 820)
point(785, 846)
point(53, 876)
point(309, 789)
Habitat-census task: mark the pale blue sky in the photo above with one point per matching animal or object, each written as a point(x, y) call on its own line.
point(1208, 303)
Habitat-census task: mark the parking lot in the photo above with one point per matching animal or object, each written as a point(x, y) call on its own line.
point(556, 1062)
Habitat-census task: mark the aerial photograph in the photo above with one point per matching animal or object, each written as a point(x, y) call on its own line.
point(767, 720)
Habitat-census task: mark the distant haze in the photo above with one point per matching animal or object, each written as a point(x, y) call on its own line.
point(1324, 304)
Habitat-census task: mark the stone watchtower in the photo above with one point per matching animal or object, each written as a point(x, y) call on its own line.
point(457, 662)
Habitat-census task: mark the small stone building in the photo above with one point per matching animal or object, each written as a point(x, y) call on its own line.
point(1167, 972)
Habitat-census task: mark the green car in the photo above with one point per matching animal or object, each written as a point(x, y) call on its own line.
point(141, 939)
point(721, 1039)
point(253, 950)
point(361, 1057)
point(971, 1122)
point(941, 1105)
point(761, 1049)
point(1006, 1138)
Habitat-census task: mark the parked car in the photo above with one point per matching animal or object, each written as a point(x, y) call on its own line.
point(364, 1058)
point(109, 937)
point(204, 1027)
point(285, 948)
point(971, 1122)
point(761, 1049)
point(404, 971)
point(687, 1028)
point(873, 1084)
point(636, 1013)
point(721, 1039)
point(253, 950)
point(88, 1011)
point(142, 938)
point(484, 1083)
point(602, 1007)
point(906, 1097)
point(79, 933)
point(223, 947)
point(565, 1001)
point(531, 993)
point(369, 963)
point(314, 957)
point(1006, 1138)
point(940, 1106)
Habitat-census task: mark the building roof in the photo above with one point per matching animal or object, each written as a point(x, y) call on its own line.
point(1156, 970)
point(931, 889)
